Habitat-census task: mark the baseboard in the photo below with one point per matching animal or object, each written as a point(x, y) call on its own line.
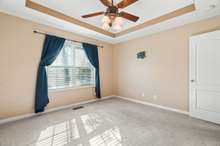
point(107, 97)
point(154, 105)
point(11, 119)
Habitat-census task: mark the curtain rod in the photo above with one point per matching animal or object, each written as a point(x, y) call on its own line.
point(65, 38)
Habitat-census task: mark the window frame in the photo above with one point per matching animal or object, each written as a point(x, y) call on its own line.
point(62, 89)
point(70, 88)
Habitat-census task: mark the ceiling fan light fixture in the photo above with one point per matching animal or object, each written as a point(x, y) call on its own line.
point(106, 26)
point(119, 20)
point(106, 19)
point(117, 24)
point(112, 16)
point(117, 27)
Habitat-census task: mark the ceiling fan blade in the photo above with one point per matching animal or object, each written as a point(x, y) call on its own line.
point(125, 3)
point(106, 2)
point(92, 14)
point(129, 16)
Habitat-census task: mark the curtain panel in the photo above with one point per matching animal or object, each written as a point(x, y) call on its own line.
point(51, 48)
point(92, 54)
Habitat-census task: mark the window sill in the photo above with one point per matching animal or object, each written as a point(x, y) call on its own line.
point(70, 88)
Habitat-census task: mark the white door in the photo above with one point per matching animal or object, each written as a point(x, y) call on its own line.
point(205, 76)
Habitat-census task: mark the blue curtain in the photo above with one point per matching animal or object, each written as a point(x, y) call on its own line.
point(92, 54)
point(52, 47)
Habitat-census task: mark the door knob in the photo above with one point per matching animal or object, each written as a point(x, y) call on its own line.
point(193, 81)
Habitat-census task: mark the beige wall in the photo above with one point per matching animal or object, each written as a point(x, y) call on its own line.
point(164, 72)
point(20, 51)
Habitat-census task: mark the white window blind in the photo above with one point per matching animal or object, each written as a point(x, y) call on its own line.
point(71, 68)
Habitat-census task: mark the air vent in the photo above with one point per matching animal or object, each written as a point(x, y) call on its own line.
point(77, 108)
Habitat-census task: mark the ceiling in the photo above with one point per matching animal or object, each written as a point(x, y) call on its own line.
point(145, 9)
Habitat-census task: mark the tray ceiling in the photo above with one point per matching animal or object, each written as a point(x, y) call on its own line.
point(147, 10)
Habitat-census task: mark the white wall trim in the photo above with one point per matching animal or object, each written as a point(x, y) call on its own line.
point(154, 105)
point(107, 97)
point(11, 119)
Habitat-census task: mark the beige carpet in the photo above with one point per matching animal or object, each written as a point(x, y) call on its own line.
point(111, 122)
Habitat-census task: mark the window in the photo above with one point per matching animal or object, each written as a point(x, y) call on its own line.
point(71, 68)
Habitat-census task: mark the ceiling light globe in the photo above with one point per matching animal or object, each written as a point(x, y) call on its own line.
point(106, 20)
point(105, 26)
point(119, 21)
point(117, 27)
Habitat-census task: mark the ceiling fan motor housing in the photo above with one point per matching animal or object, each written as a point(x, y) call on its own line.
point(112, 11)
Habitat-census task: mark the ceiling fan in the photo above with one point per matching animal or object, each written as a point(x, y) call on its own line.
point(112, 16)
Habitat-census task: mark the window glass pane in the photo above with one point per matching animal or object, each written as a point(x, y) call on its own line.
point(71, 68)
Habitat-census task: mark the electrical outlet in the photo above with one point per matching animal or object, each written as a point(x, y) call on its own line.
point(142, 95)
point(155, 97)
